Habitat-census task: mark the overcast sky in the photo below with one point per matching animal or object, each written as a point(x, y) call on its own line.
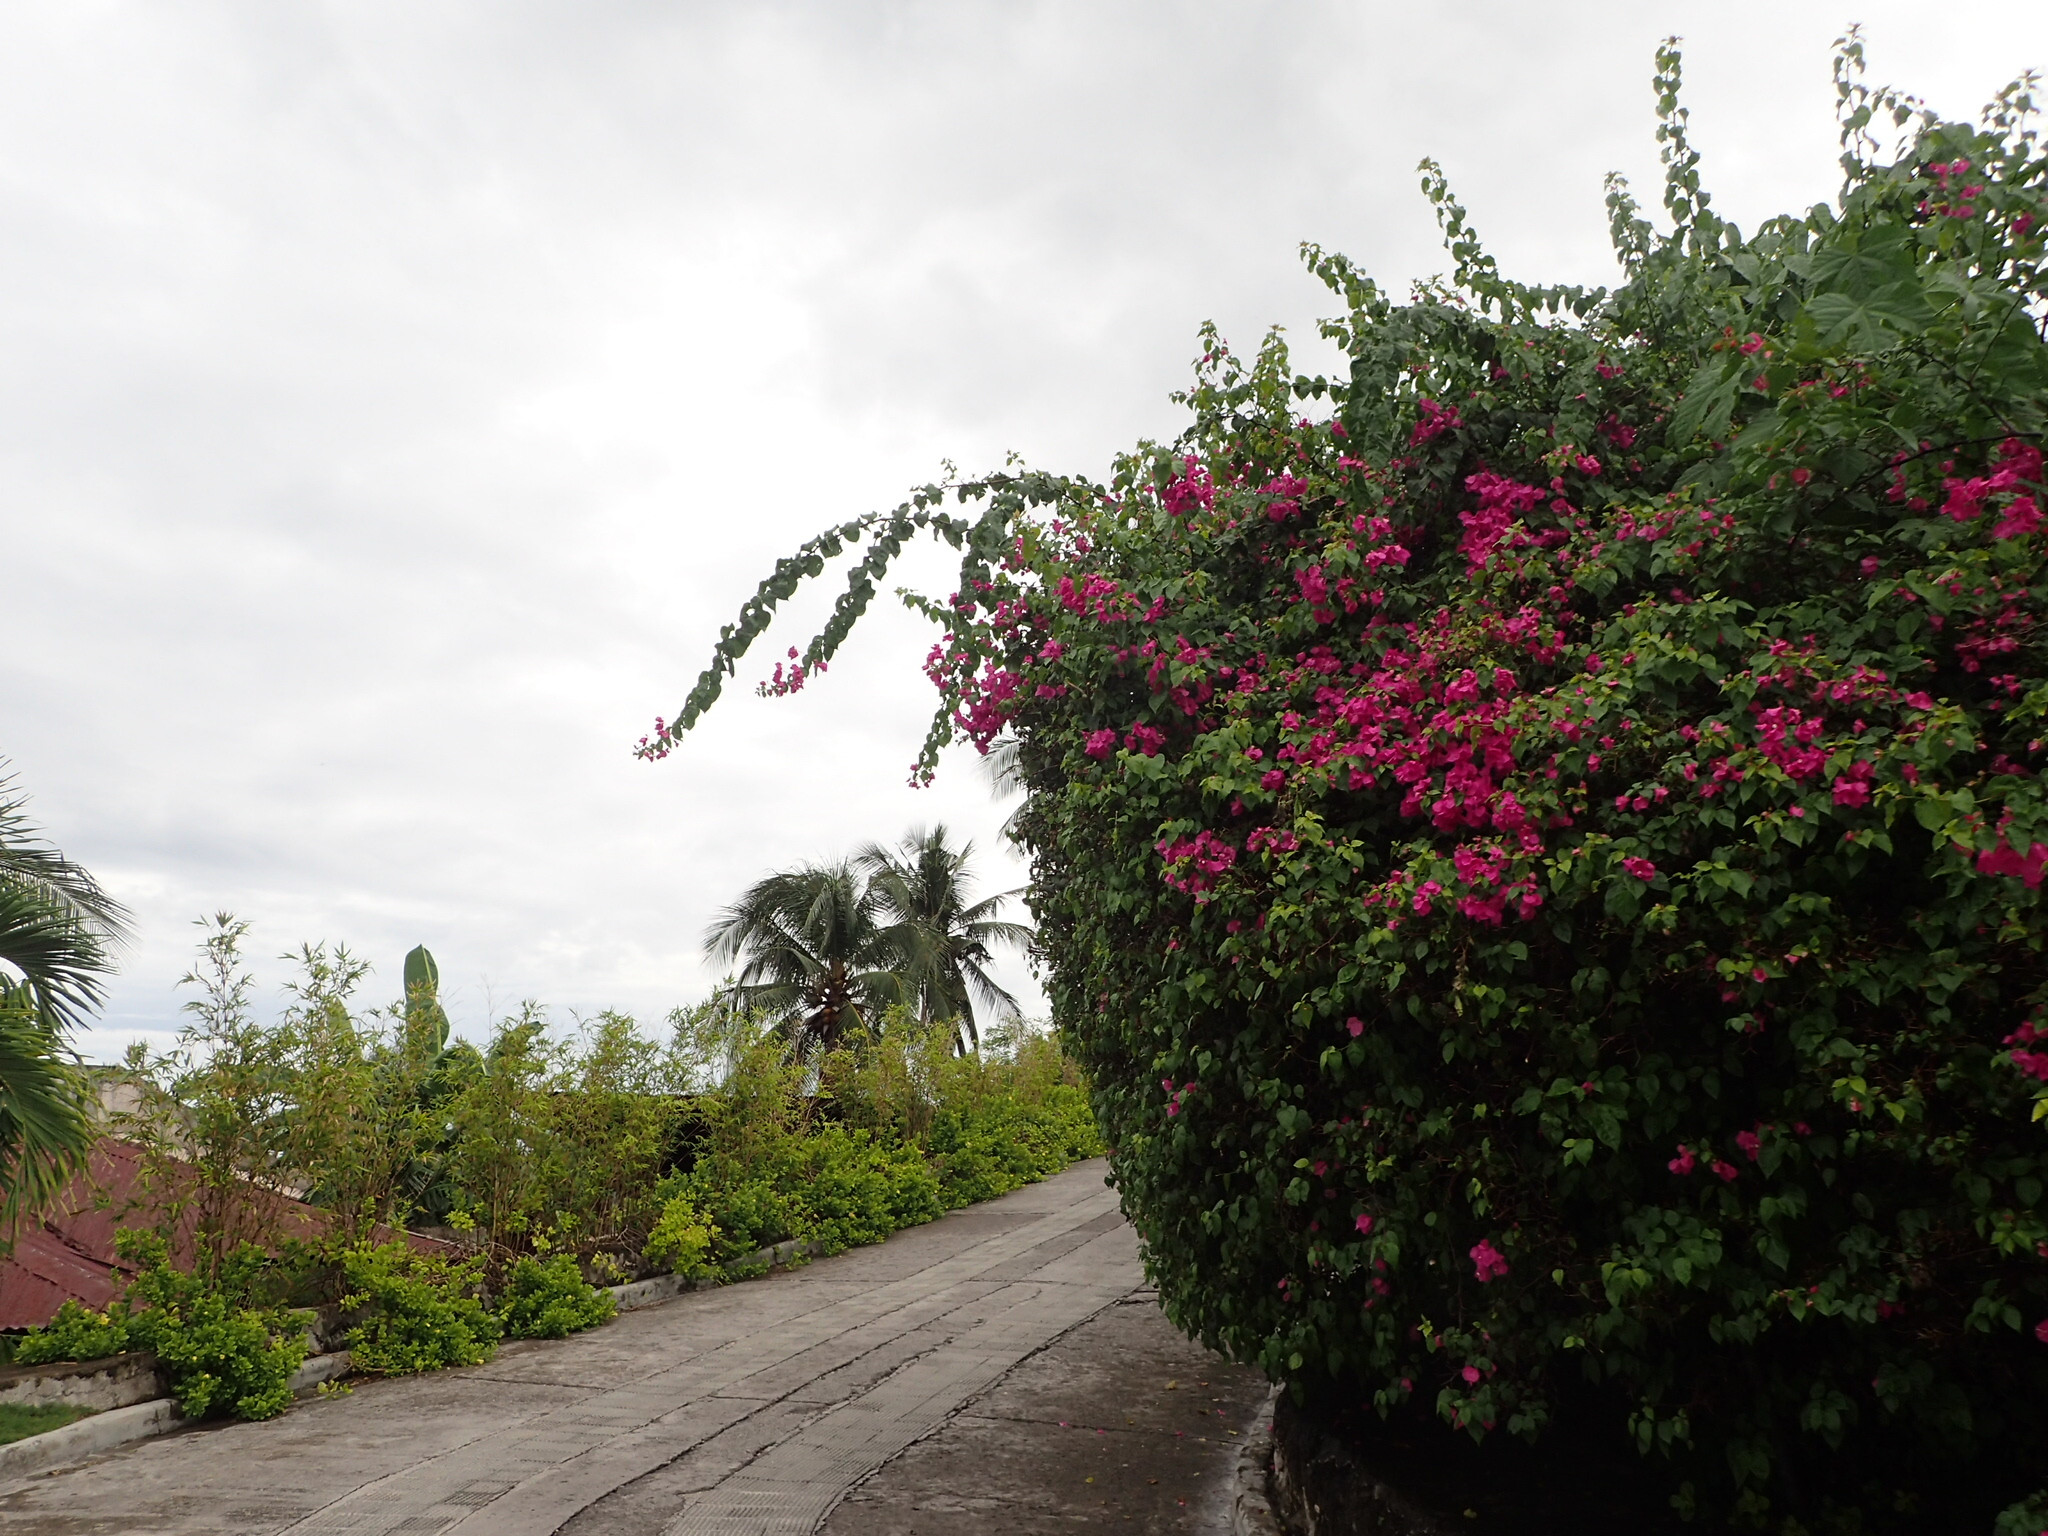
point(396, 398)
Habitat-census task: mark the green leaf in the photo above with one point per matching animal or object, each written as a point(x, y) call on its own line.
point(1869, 322)
point(1708, 402)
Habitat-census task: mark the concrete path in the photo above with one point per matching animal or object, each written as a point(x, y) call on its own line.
point(1120, 1425)
point(745, 1411)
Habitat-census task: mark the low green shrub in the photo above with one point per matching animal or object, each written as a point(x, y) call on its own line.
point(76, 1333)
point(746, 1213)
point(996, 1147)
point(419, 1311)
point(855, 1189)
point(682, 1238)
point(219, 1352)
point(550, 1299)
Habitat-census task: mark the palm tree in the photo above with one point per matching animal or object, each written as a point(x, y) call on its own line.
point(1003, 767)
point(813, 951)
point(946, 939)
point(57, 933)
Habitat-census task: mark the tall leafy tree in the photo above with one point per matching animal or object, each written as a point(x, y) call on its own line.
point(815, 950)
point(946, 938)
point(58, 930)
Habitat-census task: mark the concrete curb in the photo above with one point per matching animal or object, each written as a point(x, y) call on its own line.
point(1251, 1501)
point(88, 1437)
point(648, 1293)
point(319, 1369)
point(113, 1381)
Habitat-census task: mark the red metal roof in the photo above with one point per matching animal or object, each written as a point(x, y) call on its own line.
point(70, 1251)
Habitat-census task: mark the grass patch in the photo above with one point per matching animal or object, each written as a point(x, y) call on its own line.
point(19, 1420)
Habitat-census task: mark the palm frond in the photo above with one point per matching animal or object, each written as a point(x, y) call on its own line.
point(58, 931)
point(46, 1125)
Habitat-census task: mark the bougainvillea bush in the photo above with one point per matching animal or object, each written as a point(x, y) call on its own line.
point(1540, 842)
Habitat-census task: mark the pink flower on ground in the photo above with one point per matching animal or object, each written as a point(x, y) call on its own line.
point(1488, 1261)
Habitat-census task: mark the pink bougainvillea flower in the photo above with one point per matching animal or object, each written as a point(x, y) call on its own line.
point(1100, 744)
point(2033, 1063)
point(1364, 1225)
point(2041, 1330)
point(2004, 859)
point(1748, 1141)
point(1434, 421)
point(1852, 786)
point(1471, 1375)
point(1642, 869)
point(1487, 1261)
point(1684, 1162)
point(1273, 778)
point(1724, 1171)
point(1356, 1026)
point(2022, 517)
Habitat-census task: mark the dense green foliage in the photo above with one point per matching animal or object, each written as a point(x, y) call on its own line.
point(77, 1332)
point(550, 1299)
point(415, 1311)
point(1541, 856)
point(895, 1133)
point(218, 1347)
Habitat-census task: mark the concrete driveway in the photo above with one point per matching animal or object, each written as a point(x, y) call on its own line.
point(752, 1410)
